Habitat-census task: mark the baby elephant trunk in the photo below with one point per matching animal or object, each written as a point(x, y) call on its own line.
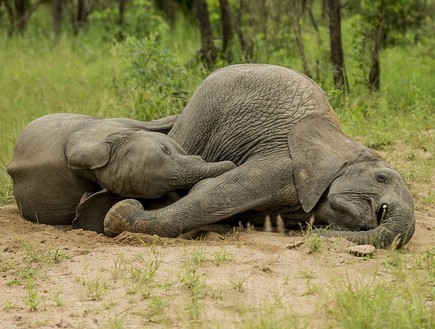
point(396, 227)
point(194, 169)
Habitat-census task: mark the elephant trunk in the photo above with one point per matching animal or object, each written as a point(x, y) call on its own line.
point(195, 169)
point(394, 231)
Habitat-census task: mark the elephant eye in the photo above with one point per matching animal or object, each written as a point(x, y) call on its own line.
point(166, 149)
point(381, 178)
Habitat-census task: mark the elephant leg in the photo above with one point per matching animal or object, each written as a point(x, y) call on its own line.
point(250, 186)
point(93, 207)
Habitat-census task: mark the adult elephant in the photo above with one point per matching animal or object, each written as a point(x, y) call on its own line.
point(59, 158)
point(292, 159)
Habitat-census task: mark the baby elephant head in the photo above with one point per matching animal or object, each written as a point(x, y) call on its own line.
point(345, 184)
point(138, 163)
point(369, 203)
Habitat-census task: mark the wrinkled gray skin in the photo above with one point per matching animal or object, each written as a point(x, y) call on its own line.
point(59, 157)
point(292, 159)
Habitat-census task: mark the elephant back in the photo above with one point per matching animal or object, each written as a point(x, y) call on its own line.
point(243, 110)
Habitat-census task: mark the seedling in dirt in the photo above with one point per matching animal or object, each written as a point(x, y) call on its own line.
point(32, 254)
point(117, 322)
point(31, 299)
point(193, 280)
point(217, 293)
point(271, 316)
point(222, 256)
point(309, 276)
point(8, 304)
point(96, 288)
point(57, 298)
point(315, 243)
point(58, 255)
point(141, 275)
point(45, 256)
point(426, 261)
point(118, 267)
point(195, 259)
point(155, 307)
point(238, 282)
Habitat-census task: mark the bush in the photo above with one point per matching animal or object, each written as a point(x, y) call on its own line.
point(153, 80)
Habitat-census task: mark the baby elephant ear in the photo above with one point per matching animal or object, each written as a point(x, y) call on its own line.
point(86, 150)
point(319, 151)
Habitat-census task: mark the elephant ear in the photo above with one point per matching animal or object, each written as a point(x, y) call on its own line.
point(92, 209)
point(91, 147)
point(319, 152)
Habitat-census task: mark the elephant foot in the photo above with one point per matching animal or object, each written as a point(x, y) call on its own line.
point(120, 217)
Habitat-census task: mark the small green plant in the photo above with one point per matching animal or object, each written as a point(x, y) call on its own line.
point(116, 322)
point(222, 256)
point(426, 261)
point(45, 256)
point(32, 299)
point(315, 243)
point(57, 297)
point(155, 307)
point(8, 305)
point(141, 274)
point(198, 257)
point(96, 288)
point(57, 255)
point(271, 316)
point(238, 282)
point(193, 280)
point(217, 293)
point(119, 267)
point(397, 264)
point(309, 275)
point(32, 254)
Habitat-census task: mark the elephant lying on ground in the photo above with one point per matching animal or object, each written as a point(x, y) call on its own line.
point(59, 157)
point(292, 159)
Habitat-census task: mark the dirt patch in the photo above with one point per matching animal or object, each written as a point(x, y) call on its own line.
point(54, 277)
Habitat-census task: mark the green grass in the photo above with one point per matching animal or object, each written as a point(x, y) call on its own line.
point(77, 75)
point(382, 305)
point(401, 301)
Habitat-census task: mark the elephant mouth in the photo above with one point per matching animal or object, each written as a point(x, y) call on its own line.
point(381, 213)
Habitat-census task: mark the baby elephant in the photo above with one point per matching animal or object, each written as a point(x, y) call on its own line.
point(59, 157)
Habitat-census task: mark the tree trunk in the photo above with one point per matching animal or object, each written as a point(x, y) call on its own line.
point(227, 31)
point(121, 12)
point(82, 14)
point(57, 17)
point(247, 48)
point(19, 13)
point(21, 8)
point(337, 57)
point(309, 9)
point(300, 43)
point(11, 15)
point(375, 70)
point(208, 50)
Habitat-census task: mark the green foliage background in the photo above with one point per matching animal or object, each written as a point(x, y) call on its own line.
point(150, 68)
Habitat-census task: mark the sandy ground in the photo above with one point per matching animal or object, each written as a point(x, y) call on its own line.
point(55, 277)
point(79, 279)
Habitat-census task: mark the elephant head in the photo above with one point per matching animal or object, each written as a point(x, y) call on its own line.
point(136, 163)
point(350, 187)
